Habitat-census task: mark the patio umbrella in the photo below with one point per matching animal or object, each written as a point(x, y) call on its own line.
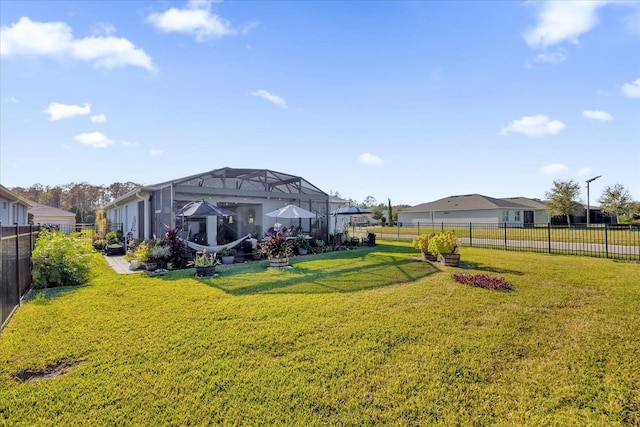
point(291, 211)
point(203, 208)
point(351, 210)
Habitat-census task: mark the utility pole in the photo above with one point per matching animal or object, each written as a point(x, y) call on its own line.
point(589, 181)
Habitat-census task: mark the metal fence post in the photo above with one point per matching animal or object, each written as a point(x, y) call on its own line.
point(470, 237)
point(606, 240)
point(505, 235)
point(18, 262)
point(549, 236)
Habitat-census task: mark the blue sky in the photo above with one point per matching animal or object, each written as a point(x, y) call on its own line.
point(412, 101)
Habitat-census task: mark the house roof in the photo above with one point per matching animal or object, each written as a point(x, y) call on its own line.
point(13, 197)
point(231, 181)
point(250, 180)
point(472, 202)
point(39, 209)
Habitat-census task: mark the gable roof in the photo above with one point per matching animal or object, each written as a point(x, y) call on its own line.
point(5, 193)
point(472, 202)
point(41, 210)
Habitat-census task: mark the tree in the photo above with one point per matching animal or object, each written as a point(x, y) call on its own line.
point(390, 212)
point(616, 199)
point(564, 199)
point(368, 202)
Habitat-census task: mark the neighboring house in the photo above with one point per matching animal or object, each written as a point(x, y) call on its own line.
point(248, 193)
point(40, 214)
point(13, 208)
point(476, 208)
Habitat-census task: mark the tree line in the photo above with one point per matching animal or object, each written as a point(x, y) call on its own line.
point(83, 198)
point(564, 199)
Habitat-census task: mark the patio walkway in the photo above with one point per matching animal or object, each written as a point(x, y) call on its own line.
point(119, 264)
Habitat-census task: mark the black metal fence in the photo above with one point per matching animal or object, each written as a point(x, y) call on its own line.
point(16, 244)
point(616, 241)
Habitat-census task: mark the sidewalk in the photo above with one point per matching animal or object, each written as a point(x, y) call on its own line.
point(119, 264)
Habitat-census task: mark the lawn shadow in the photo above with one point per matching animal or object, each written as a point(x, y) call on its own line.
point(42, 296)
point(468, 265)
point(380, 270)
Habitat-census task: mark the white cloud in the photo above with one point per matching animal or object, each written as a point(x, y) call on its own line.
point(98, 118)
point(54, 39)
point(560, 21)
point(94, 139)
point(14, 100)
point(58, 111)
point(156, 153)
point(535, 126)
point(554, 169)
point(551, 58)
point(585, 171)
point(270, 97)
point(195, 19)
point(597, 115)
point(632, 90)
point(129, 143)
point(370, 159)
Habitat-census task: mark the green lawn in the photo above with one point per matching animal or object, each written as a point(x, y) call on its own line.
point(363, 337)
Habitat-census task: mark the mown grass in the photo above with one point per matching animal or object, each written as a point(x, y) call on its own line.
point(364, 337)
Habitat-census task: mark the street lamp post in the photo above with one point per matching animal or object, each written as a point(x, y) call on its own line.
point(589, 181)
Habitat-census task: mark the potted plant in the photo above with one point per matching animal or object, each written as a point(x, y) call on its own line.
point(114, 246)
point(205, 263)
point(257, 254)
point(445, 246)
point(228, 255)
point(278, 249)
point(100, 244)
point(143, 254)
point(302, 244)
point(421, 242)
point(160, 254)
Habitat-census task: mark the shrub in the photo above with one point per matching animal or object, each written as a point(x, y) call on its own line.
point(179, 252)
point(482, 281)
point(421, 242)
point(277, 247)
point(112, 238)
point(228, 252)
point(59, 260)
point(444, 243)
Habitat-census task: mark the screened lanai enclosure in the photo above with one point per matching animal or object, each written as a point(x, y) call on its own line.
point(247, 194)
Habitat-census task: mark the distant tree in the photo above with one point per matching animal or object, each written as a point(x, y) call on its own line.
point(369, 202)
point(564, 199)
point(390, 211)
point(615, 199)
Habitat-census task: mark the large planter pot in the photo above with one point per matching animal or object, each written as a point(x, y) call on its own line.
point(302, 251)
point(278, 262)
point(150, 266)
point(205, 271)
point(428, 256)
point(450, 260)
point(115, 249)
point(228, 259)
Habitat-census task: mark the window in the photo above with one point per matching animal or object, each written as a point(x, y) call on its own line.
point(516, 217)
point(505, 216)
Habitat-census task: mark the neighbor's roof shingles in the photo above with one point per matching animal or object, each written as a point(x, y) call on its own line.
point(470, 202)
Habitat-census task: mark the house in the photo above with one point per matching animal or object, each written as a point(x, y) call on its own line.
point(249, 193)
point(41, 214)
point(476, 208)
point(13, 208)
